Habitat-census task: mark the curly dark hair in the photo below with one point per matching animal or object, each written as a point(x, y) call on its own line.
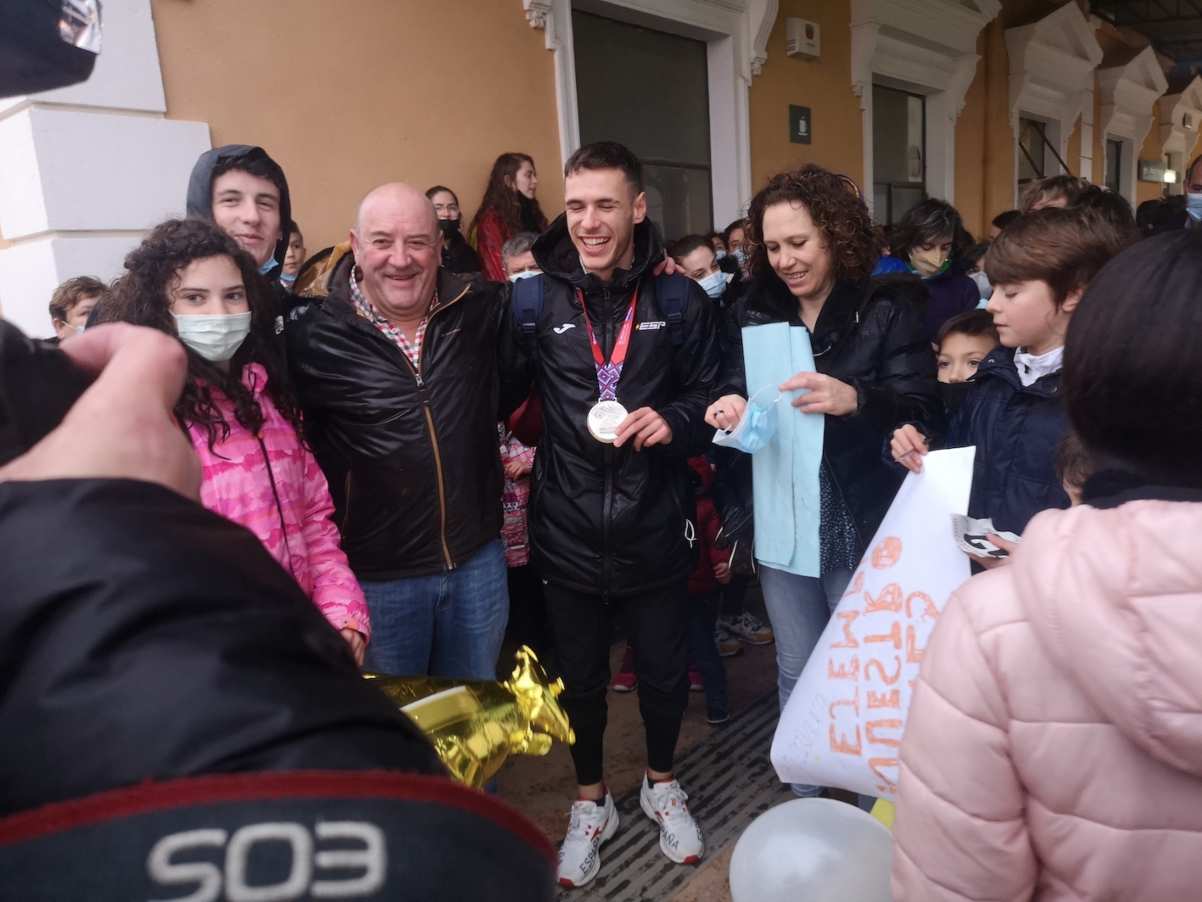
point(834, 203)
point(140, 296)
point(503, 198)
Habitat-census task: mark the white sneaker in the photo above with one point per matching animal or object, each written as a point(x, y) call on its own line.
point(580, 854)
point(679, 835)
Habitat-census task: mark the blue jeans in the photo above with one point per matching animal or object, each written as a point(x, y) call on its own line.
point(798, 608)
point(450, 624)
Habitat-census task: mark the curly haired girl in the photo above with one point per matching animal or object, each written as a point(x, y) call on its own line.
point(190, 280)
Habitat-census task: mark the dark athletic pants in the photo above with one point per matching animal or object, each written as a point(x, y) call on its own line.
point(657, 625)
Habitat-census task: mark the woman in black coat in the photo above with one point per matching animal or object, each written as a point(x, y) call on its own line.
point(457, 254)
point(814, 247)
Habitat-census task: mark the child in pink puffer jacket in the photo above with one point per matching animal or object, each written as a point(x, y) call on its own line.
point(1054, 744)
point(191, 280)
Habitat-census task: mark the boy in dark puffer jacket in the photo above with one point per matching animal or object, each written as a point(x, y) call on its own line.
point(1039, 267)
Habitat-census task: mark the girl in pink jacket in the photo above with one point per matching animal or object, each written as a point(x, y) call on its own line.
point(191, 280)
point(1054, 744)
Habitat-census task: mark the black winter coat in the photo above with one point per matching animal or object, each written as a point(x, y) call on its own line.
point(1016, 431)
point(458, 256)
point(145, 638)
point(412, 461)
point(872, 336)
point(603, 519)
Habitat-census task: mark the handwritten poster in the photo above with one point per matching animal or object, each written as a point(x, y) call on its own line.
point(844, 721)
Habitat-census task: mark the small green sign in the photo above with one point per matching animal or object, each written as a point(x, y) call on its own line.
point(799, 124)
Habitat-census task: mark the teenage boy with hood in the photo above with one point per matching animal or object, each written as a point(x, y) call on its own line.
point(243, 191)
point(625, 379)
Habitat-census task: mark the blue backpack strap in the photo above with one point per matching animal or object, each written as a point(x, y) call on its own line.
point(672, 293)
point(527, 305)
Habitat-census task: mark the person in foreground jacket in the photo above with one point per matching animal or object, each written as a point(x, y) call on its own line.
point(1054, 744)
point(192, 281)
point(154, 651)
point(814, 249)
point(396, 371)
point(611, 515)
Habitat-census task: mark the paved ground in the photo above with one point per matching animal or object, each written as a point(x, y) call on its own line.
point(724, 769)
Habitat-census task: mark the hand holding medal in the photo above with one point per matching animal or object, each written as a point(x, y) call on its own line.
point(608, 420)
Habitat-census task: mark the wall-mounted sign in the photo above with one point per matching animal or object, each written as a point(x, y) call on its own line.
point(1151, 171)
point(799, 124)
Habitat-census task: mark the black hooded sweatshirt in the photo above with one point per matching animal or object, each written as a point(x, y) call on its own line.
point(200, 191)
point(606, 520)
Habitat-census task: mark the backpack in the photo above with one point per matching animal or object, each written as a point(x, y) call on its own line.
point(671, 293)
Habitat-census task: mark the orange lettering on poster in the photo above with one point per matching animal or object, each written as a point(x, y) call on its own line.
point(857, 583)
point(885, 678)
point(887, 553)
point(888, 699)
point(849, 641)
point(873, 726)
point(848, 670)
point(890, 600)
point(929, 610)
point(842, 745)
point(913, 652)
point(885, 784)
point(894, 636)
point(853, 703)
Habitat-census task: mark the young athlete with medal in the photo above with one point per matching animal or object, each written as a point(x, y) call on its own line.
point(626, 363)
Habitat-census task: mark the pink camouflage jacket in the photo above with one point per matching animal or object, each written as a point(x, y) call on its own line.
point(237, 485)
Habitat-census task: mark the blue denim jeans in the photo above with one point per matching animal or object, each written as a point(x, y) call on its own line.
point(798, 608)
point(450, 624)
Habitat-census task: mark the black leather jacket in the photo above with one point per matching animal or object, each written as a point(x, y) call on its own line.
point(412, 461)
point(605, 520)
point(872, 336)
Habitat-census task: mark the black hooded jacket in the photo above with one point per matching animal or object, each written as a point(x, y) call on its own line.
point(200, 191)
point(412, 462)
point(603, 519)
point(872, 336)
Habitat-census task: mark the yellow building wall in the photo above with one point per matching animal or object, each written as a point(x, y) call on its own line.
point(349, 95)
point(823, 85)
point(974, 134)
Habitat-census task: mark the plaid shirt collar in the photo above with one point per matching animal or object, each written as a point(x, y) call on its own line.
point(411, 349)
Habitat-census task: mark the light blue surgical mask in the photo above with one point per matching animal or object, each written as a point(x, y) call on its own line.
point(288, 280)
point(268, 266)
point(714, 284)
point(718, 255)
point(741, 256)
point(1193, 206)
point(757, 427)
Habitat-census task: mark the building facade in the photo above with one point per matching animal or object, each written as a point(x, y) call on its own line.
point(956, 99)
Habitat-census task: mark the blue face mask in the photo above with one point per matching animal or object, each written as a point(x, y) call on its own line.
point(718, 255)
point(1193, 206)
point(268, 266)
point(714, 284)
point(288, 281)
point(757, 427)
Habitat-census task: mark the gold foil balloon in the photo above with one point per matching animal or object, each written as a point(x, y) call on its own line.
point(476, 726)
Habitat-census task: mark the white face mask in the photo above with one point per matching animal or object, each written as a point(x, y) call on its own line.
point(215, 337)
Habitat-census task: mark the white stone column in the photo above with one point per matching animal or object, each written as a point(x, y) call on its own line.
point(86, 170)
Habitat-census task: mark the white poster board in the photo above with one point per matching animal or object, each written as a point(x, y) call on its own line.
point(844, 721)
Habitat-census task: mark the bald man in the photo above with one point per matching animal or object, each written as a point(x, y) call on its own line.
point(396, 370)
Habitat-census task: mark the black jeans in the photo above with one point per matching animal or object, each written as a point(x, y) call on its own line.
point(657, 625)
point(734, 595)
point(703, 614)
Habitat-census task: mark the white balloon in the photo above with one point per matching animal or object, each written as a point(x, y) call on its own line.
point(816, 850)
